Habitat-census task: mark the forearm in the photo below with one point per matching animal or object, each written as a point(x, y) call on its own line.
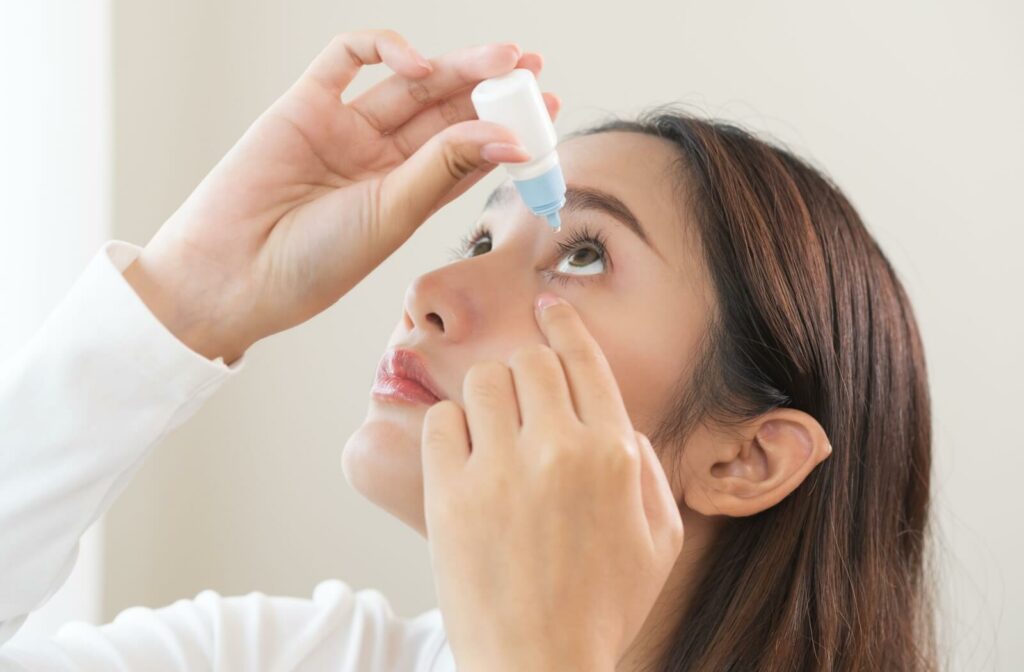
point(80, 406)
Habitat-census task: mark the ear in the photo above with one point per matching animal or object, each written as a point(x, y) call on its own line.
point(753, 467)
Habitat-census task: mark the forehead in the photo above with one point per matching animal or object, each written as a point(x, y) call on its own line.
point(633, 153)
point(638, 169)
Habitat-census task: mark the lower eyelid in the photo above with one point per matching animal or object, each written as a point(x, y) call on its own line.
point(566, 278)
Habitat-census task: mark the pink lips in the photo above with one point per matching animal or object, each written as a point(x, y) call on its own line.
point(402, 376)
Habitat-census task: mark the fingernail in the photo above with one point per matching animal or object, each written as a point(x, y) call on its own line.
point(503, 152)
point(545, 300)
point(420, 60)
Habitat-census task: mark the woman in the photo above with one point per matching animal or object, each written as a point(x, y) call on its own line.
point(747, 315)
point(735, 310)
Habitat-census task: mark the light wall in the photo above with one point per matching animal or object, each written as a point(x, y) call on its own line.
point(915, 108)
point(55, 147)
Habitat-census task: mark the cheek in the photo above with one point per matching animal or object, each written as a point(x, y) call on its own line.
point(644, 388)
point(647, 365)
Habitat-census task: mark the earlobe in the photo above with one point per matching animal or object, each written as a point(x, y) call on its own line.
point(755, 466)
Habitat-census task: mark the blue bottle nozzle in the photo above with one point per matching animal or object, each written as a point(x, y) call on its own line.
point(544, 195)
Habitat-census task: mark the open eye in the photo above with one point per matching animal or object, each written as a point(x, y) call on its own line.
point(479, 245)
point(476, 243)
point(584, 253)
point(584, 260)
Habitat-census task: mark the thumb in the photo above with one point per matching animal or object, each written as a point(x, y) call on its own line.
point(410, 193)
point(659, 503)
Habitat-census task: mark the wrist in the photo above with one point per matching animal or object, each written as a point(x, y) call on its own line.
point(187, 317)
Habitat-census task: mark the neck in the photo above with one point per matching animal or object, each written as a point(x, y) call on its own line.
point(656, 635)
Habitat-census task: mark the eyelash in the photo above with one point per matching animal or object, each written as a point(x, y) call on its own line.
point(580, 237)
point(467, 242)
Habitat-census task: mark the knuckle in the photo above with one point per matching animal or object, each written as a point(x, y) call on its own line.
point(438, 414)
point(486, 380)
point(559, 313)
point(580, 352)
point(442, 408)
point(400, 140)
point(534, 354)
point(374, 120)
point(553, 454)
point(448, 111)
point(433, 435)
point(374, 34)
point(347, 43)
point(346, 39)
point(620, 451)
point(341, 43)
point(560, 446)
point(456, 161)
point(419, 92)
point(487, 369)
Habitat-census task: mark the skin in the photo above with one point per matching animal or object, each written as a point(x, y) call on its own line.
point(550, 432)
point(474, 317)
point(486, 305)
point(318, 192)
point(321, 189)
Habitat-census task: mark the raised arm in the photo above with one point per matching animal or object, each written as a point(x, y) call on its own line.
point(80, 407)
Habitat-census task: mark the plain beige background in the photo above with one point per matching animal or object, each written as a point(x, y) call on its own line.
point(914, 107)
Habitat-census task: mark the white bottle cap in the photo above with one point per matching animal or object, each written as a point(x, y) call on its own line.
point(514, 100)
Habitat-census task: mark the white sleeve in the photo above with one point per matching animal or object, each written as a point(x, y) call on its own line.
point(338, 630)
point(81, 405)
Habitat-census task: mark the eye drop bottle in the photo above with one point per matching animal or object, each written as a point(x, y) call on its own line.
point(514, 101)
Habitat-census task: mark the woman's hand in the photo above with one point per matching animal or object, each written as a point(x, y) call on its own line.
point(318, 192)
point(551, 524)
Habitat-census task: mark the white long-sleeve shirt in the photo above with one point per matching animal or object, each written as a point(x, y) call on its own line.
point(81, 406)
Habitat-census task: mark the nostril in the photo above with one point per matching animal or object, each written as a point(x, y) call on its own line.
point(434, 318)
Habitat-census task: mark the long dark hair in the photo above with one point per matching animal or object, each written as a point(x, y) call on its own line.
point(810, 315)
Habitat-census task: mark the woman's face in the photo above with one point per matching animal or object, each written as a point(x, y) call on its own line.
point(624, 258)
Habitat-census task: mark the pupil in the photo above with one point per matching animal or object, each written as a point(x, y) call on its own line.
point(581, 257)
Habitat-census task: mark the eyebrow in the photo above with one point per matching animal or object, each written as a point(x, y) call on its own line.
point(578, 197)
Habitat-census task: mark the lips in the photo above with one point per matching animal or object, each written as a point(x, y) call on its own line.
point(402, 376)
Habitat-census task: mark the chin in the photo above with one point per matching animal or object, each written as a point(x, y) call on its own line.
point(382, 461)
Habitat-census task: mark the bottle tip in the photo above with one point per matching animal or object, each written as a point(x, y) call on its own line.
point(554, 222)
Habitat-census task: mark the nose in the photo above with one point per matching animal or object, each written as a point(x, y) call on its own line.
point(438, 306)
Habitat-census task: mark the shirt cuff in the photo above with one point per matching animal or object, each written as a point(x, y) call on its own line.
point(153, 344)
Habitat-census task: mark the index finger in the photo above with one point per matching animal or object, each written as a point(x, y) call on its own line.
point(339, 63)
point(595, 392)
point(396, 100)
